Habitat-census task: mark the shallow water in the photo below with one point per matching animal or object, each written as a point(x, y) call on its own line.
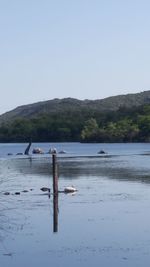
point(106, 223)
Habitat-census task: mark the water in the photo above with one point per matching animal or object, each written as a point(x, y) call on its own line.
point(106, 223)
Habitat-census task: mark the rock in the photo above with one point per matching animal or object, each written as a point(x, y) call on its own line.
point(25, 191)
point(101, 152)
point(6, 193)
point(70, 189)
point(37, 150)
point(53, 151)
point(45, 189)
point(62, 152)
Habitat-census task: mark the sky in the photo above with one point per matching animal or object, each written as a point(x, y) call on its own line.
point(85, 49)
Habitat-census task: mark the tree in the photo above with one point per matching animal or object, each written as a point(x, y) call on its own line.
point(90, 130)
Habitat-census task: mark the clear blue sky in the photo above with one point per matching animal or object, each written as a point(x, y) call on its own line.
point(85, 49)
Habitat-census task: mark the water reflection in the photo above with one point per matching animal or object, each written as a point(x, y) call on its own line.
point(55, 213)
point(130, 168)
point(96, 226)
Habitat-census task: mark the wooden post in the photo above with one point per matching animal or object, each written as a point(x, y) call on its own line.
point(55, 174)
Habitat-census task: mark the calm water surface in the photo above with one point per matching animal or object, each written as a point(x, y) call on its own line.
point(106, 223)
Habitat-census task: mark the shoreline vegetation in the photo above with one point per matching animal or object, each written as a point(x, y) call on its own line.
point(82, 125)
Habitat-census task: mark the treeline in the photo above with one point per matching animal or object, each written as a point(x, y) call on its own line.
point(124, 125)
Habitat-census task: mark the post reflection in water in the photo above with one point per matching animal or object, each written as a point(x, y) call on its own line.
point(55, 192)
point(55, 212)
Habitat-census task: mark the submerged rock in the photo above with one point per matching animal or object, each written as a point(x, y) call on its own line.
point(6, 193)
point(101, 152)
point(45, 189)
point(70, 189)
point(37, 150)
point(52, 151)
point(62, 152)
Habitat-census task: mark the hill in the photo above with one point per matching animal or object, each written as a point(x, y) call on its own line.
point(58, 106)
point(123, 118)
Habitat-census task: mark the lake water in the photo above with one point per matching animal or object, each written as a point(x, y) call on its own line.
point(107, 221)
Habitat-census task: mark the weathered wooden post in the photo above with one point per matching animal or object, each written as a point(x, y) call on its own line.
point(55, 174)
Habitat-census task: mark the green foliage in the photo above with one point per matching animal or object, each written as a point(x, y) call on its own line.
point(85, 125)
point(144, 126)
point(90, 130)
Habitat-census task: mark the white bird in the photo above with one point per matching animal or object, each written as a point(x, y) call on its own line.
point(70, 189)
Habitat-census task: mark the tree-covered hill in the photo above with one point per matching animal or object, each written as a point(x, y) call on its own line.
point(74, 105)
point(123, 118)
